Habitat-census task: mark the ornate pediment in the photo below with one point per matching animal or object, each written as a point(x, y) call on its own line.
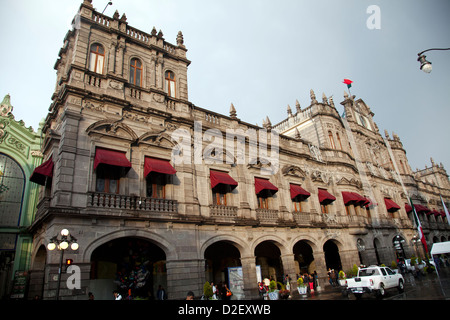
point(112, 128)
point(291, 170)
point(350, 182)
point(158, 138)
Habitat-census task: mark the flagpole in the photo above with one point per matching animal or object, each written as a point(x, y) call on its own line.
point(447, 214)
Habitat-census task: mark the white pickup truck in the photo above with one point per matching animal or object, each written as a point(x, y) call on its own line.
point(375, 280)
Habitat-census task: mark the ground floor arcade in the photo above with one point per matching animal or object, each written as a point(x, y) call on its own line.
point(143, 256)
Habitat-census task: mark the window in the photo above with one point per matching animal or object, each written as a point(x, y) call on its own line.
point(330, 136)
point(12, 187)
point(339, 141)
point(324, 208)
point(156, 185)
point(170, 83)
point(263, 202)
point(136, 72)
point(297, 204)
point(347, 210)
point(97, 58)
point(219, 194)
point(108, 178)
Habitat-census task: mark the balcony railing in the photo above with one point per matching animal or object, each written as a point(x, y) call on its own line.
point(223, 211)
point(267, 216)
point(117, 201)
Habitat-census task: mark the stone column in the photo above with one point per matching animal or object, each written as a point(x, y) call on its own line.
point(321, 268)
point(250, 280)
point(184, 276)
point(288, 261)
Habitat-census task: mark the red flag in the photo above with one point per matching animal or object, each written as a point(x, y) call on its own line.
point(348, 82)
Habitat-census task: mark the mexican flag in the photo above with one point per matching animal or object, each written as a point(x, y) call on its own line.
point(419, 226)
point(348, 82)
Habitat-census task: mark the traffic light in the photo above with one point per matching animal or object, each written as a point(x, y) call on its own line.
point(69, 262)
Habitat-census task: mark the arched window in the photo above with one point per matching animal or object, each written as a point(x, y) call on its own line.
point(170, 83)
point(330, 136)
point(136, 72)
point(12, 186)
point(339, 140)
point(97, 58)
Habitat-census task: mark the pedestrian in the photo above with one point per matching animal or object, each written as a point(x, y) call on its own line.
point(117, 295)
point(316, 279)
point(329, 277)
point(334, 278)
point(226, 293)
point(161, 293)
point(190, 295)
point(214, 290)
point(311, 282)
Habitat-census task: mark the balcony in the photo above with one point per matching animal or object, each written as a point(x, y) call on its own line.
point(267, 216)
point(306, 218)
point(123, 202)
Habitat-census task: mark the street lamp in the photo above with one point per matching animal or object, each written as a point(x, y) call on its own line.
point(425, 65)
point(62, 244)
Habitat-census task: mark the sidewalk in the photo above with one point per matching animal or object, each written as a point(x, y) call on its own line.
point(425, 287)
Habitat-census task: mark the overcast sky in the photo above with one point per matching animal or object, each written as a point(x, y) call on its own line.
point(263, 55)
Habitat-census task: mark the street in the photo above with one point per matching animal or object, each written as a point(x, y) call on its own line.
point(428, 287)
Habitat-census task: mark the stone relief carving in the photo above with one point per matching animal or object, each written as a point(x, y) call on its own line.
point(315, 152)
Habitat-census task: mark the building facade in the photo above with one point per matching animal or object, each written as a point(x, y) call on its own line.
point(158, 191)
point(19, 155)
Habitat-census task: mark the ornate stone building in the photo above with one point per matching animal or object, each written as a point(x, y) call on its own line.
point(159, 191)
point(19, 155)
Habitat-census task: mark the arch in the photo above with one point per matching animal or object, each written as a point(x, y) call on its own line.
point(308, 239)
point(237, 242)
point(332, 256)
point(168, 248)
point(279, 242)
point(304, 257)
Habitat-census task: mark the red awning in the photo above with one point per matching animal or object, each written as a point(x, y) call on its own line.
point(219, 177)
point(325, 197)
point(157, 165)
point(434, 212)
point(421, 208)
point(354, 198)
point(111, 157)
point(263, 184)
point(408, 208)
point(297, 191)
point(391, 206)
point(43, 172)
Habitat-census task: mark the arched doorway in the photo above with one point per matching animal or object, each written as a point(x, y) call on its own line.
point(332, 257)
point(304, 258)
point(268, 256)
point(125, 264)
point(219, 257)
point(37, 274)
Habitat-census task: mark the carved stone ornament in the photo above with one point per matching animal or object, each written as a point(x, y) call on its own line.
point(291, 170)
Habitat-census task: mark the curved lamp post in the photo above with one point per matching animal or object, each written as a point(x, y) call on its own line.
point(62, 244)
point(425, 65)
